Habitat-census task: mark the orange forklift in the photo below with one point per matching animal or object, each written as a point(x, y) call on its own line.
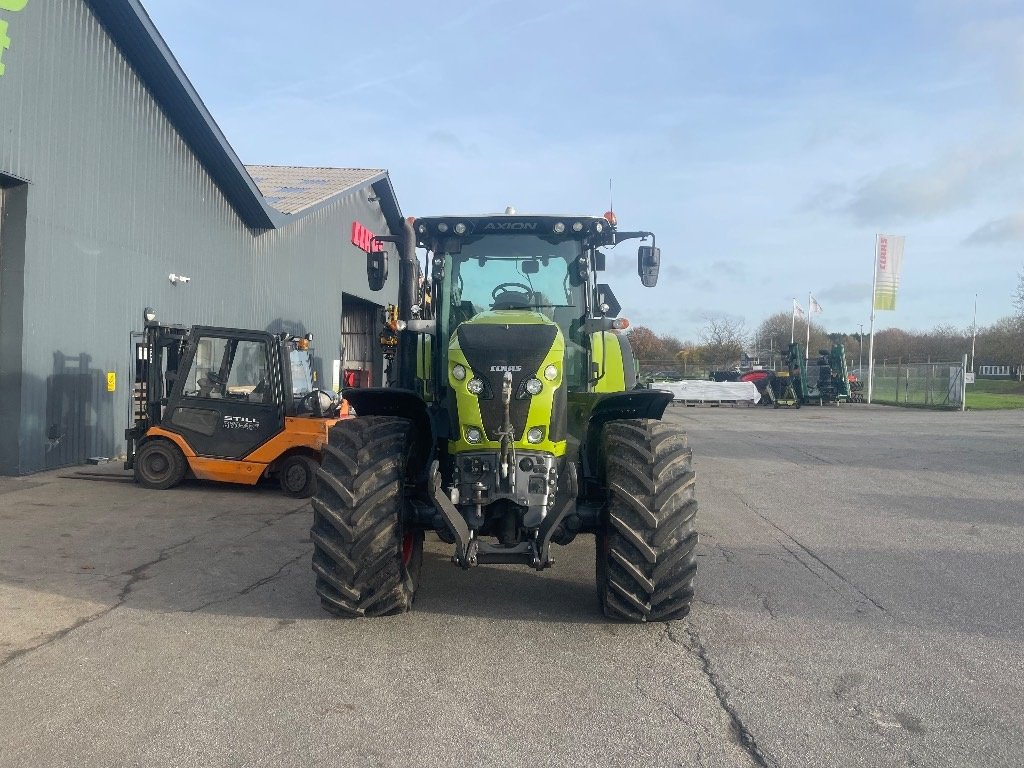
point(229, 405)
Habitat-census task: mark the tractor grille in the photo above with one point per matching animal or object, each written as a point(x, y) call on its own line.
point(514, 344)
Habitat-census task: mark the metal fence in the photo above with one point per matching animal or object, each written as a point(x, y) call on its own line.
point(936, 385)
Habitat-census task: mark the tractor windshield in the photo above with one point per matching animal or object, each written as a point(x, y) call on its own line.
point(518, 272)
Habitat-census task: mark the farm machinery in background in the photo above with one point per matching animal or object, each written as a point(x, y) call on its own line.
point(824, 380)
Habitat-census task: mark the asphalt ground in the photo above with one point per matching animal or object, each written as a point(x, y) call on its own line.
point(860, 603)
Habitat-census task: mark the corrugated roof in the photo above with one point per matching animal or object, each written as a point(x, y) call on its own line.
point(290, 189)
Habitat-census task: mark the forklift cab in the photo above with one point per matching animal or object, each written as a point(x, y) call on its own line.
point(227, 404)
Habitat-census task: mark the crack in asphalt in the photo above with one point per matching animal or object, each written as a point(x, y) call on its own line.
point(807, 550)
point(135, 575)
point(274, 518)
point(667, 705)
point(255, 585)
point(740, 733)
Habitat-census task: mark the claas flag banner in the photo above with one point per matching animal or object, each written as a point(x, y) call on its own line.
point(888, 261)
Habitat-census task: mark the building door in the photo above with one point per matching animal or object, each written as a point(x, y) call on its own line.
point(13, 207)
point(359, 321)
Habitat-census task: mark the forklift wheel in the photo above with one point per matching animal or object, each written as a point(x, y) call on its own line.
point(298, 476)
point(159, 464)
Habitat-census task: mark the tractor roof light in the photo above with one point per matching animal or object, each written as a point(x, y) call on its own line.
point(442, 227)
point(460, 228)
point(149, 315)
point(611, 218)
point(559, 227)
point(577, 226)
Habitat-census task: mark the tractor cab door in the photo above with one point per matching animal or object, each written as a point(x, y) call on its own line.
point(227, 400)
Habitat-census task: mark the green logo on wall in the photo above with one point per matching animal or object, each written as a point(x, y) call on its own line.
point(5, 41)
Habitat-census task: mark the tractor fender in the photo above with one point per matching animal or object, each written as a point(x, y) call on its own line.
point(405, 404)
point(616, 406)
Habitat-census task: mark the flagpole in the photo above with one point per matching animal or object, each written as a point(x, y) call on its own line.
point(871, 344)
point(807, 344)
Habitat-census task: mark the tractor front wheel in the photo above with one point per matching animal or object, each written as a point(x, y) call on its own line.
point(646, 557)
point(366, 563)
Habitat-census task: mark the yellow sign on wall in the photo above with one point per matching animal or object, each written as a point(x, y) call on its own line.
point(111, 381)
point(14, 6)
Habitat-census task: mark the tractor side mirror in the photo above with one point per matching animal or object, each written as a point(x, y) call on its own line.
point(600, 261)
point(376, 269)
point(648, 262)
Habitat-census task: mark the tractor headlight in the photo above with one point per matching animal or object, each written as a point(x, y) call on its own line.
point(474, 435)
point(534, 386)
point(475, 386)
point(535, 435)
point(551, 372)
point(458, 372)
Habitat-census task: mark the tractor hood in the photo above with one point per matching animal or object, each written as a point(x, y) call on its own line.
point(525, 344)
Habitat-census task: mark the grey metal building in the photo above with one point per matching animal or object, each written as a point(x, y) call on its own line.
point(113, 177)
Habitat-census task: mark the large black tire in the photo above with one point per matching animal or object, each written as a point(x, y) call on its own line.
point(366, 564)
point(646, 557)
point(159, 464)
point(297, 476)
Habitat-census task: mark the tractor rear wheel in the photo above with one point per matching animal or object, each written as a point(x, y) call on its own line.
point(159, 464)
point(366, 563)
point(646, 557)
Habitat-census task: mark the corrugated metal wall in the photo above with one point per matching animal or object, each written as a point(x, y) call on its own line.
point(117, 202)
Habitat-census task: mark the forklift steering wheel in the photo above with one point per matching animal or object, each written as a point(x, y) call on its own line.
point(519, 299)
point(314, 402)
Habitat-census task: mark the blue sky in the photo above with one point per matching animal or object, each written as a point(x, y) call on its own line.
point(764, 143)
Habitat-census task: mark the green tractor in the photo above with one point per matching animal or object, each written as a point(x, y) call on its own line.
point(514, 422)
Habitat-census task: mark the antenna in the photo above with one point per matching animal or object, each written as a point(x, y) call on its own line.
point(611, 199)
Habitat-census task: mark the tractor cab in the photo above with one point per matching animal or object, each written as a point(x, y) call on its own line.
point(226, 404)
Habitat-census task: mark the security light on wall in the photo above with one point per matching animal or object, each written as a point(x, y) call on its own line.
point(175, 279)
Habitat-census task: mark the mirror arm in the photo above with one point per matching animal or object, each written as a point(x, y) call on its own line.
point(623, 236)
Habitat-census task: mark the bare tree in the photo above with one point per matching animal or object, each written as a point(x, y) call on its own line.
point(774, 333)
point(1018, 297)
point(724, 339)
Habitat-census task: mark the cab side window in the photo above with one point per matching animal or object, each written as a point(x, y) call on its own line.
point(248, 377)
point(228, 368)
